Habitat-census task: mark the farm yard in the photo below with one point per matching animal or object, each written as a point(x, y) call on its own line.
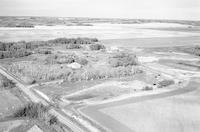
point(99, 75)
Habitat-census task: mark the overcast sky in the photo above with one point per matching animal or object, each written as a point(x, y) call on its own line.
point(153, 9)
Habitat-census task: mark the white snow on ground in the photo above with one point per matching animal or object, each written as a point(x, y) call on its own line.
point(74, 65)
point(136, 84)
point(100, 31)
point(180, 53)
point(177, 56)
point(178, 73)
point(180, 58)
point(43, 95)
point(9, 125)
point(35, 128)
point(162, 25)
point(144, 59)
point(83, 122)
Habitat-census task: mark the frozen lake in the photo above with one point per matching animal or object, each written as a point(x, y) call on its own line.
point(100, 31)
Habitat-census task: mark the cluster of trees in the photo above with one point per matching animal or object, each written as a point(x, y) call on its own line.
point(165, 83)
point(73, 46)
point(6, 83)
point(123, 59)
point(65, 59)
point(22, 48)
point(195, 50)
point(16, 49)
point(44, 51)
point(43, 72)
point(95, 74)
point(74, 41)
point(61, 59)
point(97, 47)
point(36, 111)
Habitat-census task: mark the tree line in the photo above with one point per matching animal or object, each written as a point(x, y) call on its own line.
point(23, 48)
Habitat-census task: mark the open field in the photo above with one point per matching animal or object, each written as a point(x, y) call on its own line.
point(10, 125)
point(153, 42)
point(169, 114)
point(154, 107)
point(101, 31)
point(9, 102)
point(10, 97)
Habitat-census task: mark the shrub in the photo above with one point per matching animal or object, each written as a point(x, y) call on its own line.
point(61, 59)
point(32, 111)
point(36, 111)
point(73, 40)
point(6, 83)
point(123, 59)
point(165, 83)
point(97, 47)
point(28, 80)
point(38, 71)
point(53, 120)
point(22, 48)
point(43, 51)
point(94, 74)
point(195, 50)
point(147, 88)
point(73, 46)
point(82, 61)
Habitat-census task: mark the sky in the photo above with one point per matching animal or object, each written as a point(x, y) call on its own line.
point(148, 9)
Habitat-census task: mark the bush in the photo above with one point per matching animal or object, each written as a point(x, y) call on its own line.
point(44, 51)
point(73, 46)
point(22, 48)
point(165, 83)
point(82, 61)
point(53, 120)
point(28, 80)
point(123, 59)
point(147, 88)
point(32, 111)
point(94, 74)
point(6, 83)
point(97, 47)
point(73, 40)
point(61, 59)
point(195, 50)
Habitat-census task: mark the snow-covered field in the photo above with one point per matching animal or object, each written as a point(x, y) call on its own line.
point(100, 31)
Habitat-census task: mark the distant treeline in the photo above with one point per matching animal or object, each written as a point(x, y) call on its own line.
point(19, 25)
point(28, 21)
point(74, 40)
point(195, 50)
point(23, 48)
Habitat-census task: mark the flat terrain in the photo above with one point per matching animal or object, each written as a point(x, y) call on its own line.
point(153, 42)
point(171, 110)
point(9, 102)
point(128, 76)
point(99, 30)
